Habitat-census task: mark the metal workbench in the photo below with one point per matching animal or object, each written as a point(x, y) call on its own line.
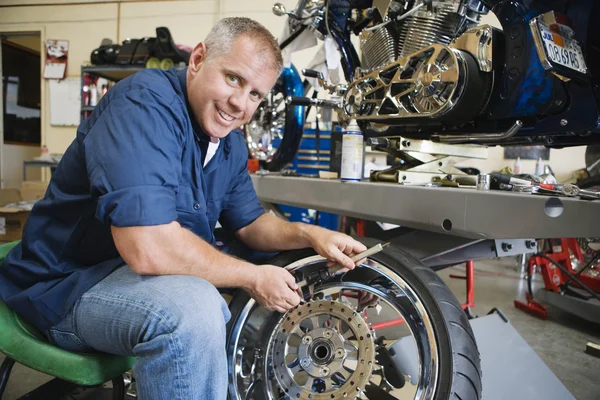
point(460, 212)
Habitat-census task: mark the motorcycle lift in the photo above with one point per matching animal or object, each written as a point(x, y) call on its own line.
point(424, 161)
point(445, 226)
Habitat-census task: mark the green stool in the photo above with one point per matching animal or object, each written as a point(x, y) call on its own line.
point(22, 343)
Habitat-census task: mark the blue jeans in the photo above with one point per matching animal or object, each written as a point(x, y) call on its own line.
point(174, 325)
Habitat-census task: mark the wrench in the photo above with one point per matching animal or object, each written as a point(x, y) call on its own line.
point(572, 191)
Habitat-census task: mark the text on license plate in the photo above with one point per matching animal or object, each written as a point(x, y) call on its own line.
point(563, 51)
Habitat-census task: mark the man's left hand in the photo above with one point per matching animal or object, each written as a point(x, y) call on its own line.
point(335, 246)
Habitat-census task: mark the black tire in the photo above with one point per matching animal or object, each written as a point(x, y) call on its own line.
point(460, 369)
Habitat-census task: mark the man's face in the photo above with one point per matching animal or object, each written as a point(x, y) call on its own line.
point(225, 91)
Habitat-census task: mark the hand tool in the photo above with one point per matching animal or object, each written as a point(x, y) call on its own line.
point(569, 190)
point(337, 267)
point(509, 180)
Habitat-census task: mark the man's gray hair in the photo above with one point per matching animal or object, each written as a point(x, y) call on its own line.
point(227, 30)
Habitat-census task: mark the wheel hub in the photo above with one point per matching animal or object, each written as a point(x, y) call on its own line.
point(316, 362)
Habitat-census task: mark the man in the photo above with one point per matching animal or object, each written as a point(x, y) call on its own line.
point(118, 256)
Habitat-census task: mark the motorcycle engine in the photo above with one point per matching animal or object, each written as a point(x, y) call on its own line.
point(425, 63)
point(438, 22)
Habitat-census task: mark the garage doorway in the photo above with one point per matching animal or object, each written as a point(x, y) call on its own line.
point(20, 120)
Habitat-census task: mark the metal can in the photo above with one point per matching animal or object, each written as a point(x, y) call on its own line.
point(352, 153)
point(483, 182)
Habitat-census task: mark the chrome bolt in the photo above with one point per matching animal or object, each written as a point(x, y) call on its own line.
point(564, 122)
point(305, 362)
point(328, 334)
point(324, 371)
point(307, 339)
point(339, 353)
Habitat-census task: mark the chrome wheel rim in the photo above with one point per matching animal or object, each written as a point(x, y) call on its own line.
point(266, 127)
point(313, 351)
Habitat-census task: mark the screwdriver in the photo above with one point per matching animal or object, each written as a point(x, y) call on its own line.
point(337, 267)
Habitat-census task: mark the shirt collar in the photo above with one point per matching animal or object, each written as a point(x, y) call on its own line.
point(200, 135)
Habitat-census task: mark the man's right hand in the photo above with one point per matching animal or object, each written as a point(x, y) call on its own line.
point(274, 288)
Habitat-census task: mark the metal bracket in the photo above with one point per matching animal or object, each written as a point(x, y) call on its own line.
point(424, 160)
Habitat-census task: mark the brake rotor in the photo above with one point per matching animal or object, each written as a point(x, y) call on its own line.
point(322, 350)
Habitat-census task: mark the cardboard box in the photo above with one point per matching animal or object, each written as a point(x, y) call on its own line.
point(14, 208)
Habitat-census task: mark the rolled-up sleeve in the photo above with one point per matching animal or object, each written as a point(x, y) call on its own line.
point(133, 157)
point(242, 206)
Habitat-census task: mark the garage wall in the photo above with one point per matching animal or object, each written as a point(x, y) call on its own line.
point(87, 22)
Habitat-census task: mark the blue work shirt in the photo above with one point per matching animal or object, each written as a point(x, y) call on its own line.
point(137, 161)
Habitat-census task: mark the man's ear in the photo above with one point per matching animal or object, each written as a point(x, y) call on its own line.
point(197, 57)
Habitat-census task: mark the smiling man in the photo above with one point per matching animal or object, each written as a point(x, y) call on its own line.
point(118, 257)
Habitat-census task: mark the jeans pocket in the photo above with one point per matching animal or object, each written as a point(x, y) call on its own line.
point(67, 341)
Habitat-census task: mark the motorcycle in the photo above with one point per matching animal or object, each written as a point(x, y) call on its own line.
point(429, 70)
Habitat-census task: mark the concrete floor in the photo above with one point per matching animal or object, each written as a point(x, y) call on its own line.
point(560, 341)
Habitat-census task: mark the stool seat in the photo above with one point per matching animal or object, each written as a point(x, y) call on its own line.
point(26, 345)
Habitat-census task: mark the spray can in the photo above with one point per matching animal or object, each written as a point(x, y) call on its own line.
point(539, 167)
point(517, 166)
point(352, 153)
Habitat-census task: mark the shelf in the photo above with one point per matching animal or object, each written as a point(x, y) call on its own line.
point(112, 72)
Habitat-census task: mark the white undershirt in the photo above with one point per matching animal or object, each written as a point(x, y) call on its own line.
point(210, 151)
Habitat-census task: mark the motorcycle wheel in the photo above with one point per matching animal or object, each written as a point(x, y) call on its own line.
point(274, 133)
point(389, 329)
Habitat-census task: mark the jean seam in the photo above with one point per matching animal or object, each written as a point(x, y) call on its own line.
point(175, 341)
point(72, 335)
point(74, 325)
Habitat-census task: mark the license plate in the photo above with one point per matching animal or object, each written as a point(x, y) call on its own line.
point(563, 51)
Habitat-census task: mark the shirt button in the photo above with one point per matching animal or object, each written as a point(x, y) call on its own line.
point(196, 206)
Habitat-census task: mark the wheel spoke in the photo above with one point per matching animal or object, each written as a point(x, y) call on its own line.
point(349, 335)
point(315, 322)
point(294, 370)
point(291, 360)
point(309, 383)
point(329, 385)
point(295, 338)
point(350, 365)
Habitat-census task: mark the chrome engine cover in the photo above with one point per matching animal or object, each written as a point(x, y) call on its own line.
point(428, 83)
point(424, 84)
